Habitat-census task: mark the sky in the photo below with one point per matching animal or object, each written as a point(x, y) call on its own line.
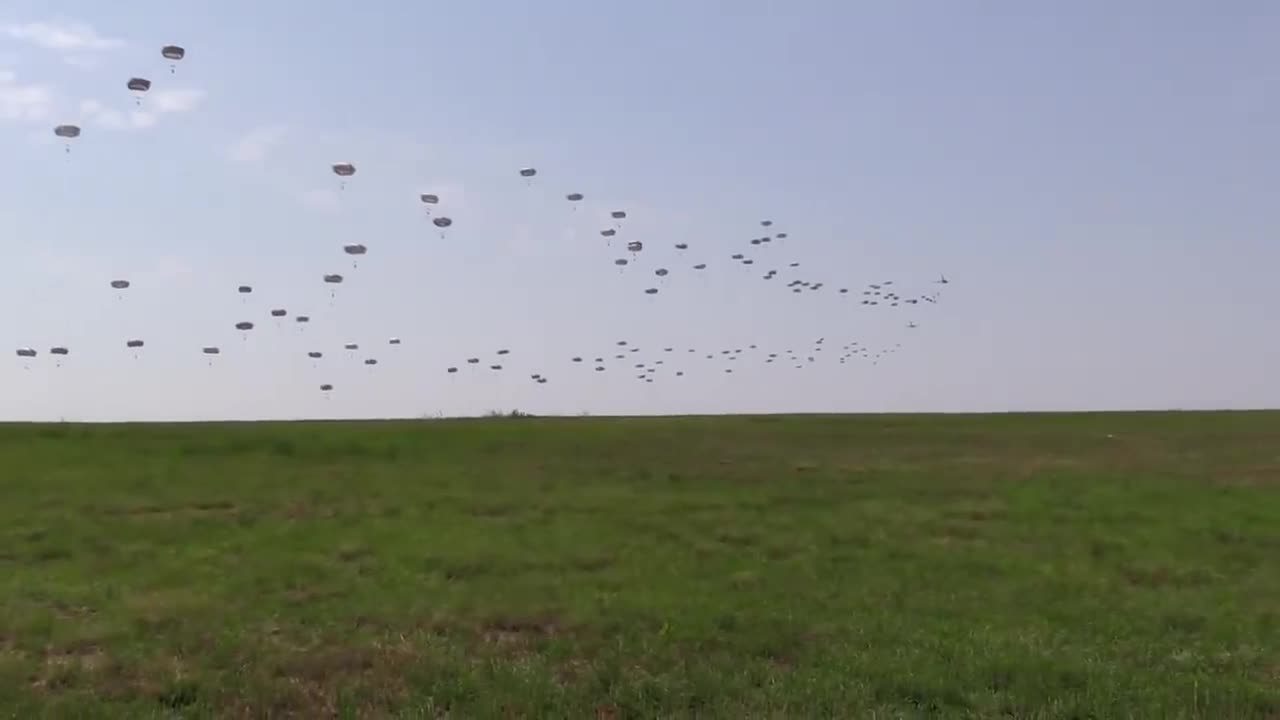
point(1098, 182)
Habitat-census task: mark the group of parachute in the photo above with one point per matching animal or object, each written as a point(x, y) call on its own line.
point(874, 294)
point(139, 86)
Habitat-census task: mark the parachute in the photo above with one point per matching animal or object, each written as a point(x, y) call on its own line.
point(528, 172)
point(344, 169)
point(355, 249)
point(618, 214)
point(59, 351)
point(333, 279)
point(26, 352)
point(246, 326)
point(573, 197)
point(394, 341)
point(173, 53)
point(211, 350)
point(244, 289)
point(134, 344)
point(326, 387)
point(120, 284)
point(442, 222)
point(315, 355)
point(279, 312)
point(139, 86)
point(68, 133)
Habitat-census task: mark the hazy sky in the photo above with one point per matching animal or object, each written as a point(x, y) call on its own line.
point(1099, 180)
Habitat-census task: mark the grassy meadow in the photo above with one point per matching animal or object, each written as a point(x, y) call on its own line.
point(1029, 566)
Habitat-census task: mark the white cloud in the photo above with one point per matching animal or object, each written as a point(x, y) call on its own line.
point(141, 119)
point(82, 62)
point(23, 102)
point(63, 37)
point(254, 146)
point(321, 200)
point(174, 101)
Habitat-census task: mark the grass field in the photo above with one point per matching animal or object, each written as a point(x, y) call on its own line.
point(1031, 566)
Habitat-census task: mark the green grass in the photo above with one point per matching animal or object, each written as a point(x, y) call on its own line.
point(1031, 566)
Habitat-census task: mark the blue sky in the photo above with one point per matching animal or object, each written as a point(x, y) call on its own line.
point(1098, 180)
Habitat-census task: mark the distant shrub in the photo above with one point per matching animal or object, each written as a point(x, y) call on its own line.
point(514, 414)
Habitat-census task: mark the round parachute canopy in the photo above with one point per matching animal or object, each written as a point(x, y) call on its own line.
point(737, 256)
point(748, 261)
point(442, 222)
point(622, 343)
point(244, 326)
point(394, 341)
point(577, 359)
point(795, 264)
point(351, 346)
point(608, 233)
point(315, 354)
point(599, 368)
point(211, 350)
point(333, 279)
point(173, 52)
point(573, 197)
point(326, 387)
point(429, 199)
point(504, 352)
point(528, 172)
point(620, 262)
point(766, 223)
point(279, 312)
point(782, 236)
point(120, 284)
point(244, 289)
point(651, 291)
point(355, 249)
point(26, 352)
point(302, 319)
point(67, 131)
point(134, 344)
point(452, 370)
point(700, 266)
point(344, 169)
point(682, 246)
point(635, 246)
point(139, 84)
point(371, 361)
point(495, 367)
point(473, 361)
point(59, 351)
point(660, 272)
point(618, 214)
point(755, 241)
